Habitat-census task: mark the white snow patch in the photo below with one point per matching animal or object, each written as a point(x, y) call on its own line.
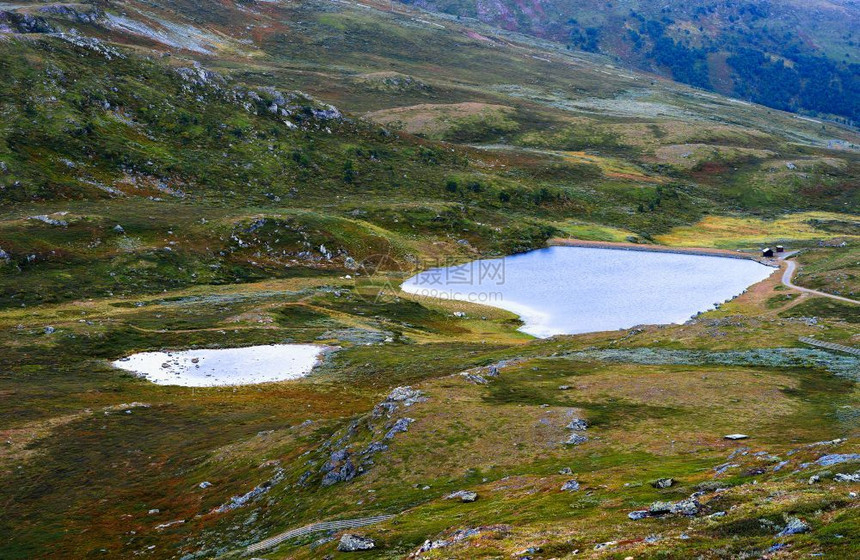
point(225, 366)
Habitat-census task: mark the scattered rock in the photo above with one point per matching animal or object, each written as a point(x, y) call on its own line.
point(794, 527)
point(814, 479)
point(564, 387)
point(842, 477)
point(407, 396)
point(205, 484)
point(119, 229)
point(354, 543)
point(689, 506)
point(578, 425)
point(736, 436)
point(663, 482)
point(570, 486)
point(576, 439)
point(565, 470)
point(239, 501)
point(639, 514)
point(463, 495)
point(344, 473)
point(835, 459)
point(402, 425)
point(50, 330)
point(457, 536)
point(49, 220)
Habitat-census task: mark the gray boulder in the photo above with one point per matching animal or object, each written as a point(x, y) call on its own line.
point(836, 458)
point(401, 425)
point(570, 486)
point(690, 506)
point(345, 473)
point(406, 395)
point(576, 439)
point(663, 482)
point(463, 496)
point(795, 526)
point(639, 514)
point(578, 425)
point(842, 477)
point(354, 543)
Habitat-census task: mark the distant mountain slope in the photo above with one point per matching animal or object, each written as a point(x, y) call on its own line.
point(797, 56)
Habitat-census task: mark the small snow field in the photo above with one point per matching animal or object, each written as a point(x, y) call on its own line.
point(224, 366)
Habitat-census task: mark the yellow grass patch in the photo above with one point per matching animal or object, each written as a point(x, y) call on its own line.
point(735, 232)
point(611, 167)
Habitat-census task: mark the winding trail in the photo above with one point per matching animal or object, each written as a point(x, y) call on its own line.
point(790, 267)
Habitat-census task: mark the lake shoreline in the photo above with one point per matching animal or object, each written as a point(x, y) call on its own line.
point(572, 288)
point(702, 251)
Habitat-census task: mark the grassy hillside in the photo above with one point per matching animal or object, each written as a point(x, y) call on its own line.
point(797, 56)
point(207, 175)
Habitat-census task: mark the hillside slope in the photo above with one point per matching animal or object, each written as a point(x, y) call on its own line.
point(183, 174)
point(798, 56)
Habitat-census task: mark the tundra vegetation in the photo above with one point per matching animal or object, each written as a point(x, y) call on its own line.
point(205, 175)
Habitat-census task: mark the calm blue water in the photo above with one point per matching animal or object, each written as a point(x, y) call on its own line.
point(570, 290)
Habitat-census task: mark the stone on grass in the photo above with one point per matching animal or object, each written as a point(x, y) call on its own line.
point(353, 543)
point(690, 506)
point(795, 526)
point(842, 477)
point(736, 436)
point(570, 486)
point(402, 425)
point(836, 458)
point(663, 482)
point(463, 496)
point(638, 514)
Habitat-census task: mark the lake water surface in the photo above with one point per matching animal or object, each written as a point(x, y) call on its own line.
point(571, 290)
point(224, 366)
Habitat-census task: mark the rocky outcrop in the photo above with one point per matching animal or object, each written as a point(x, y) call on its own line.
point(463, 496)
point(687, 507)
point(836, 458)
point(484, 374)
point(402, 425)
point(244, 499)
point(458, 536)
point(72, 14)
point(350, 453)
point(14, 22)
point(794, 527)
point(354, 543)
